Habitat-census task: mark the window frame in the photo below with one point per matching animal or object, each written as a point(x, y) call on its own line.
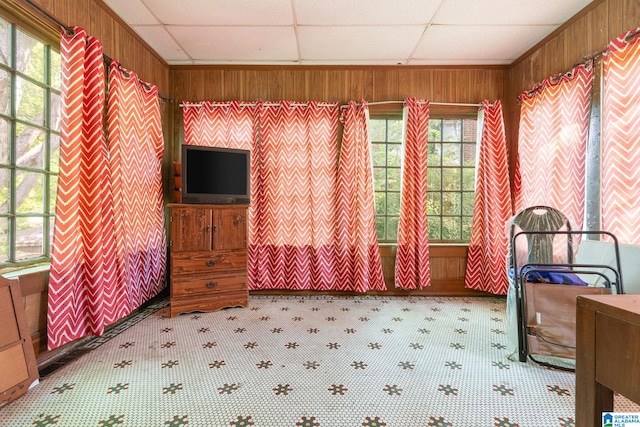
point(386, 191)
point(437, 112)
point(45, 36)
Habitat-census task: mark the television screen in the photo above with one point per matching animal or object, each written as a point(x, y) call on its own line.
point(215, 175)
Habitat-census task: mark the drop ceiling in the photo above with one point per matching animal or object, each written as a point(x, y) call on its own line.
point(344, 32)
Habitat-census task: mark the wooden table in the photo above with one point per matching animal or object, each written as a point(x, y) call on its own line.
point(607, 354)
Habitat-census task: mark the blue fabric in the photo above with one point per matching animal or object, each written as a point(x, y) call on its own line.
point(550, 276)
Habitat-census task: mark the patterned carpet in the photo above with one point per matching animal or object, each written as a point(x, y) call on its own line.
point(305, 362)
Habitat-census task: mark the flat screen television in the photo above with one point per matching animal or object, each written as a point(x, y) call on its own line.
point(215, 175)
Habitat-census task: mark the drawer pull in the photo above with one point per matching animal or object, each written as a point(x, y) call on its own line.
point(211, 285)
point(212, 262)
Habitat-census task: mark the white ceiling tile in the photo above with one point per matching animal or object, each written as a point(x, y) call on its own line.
point(237, 43)
point(365, 12)
point(357, 43)
point(474, 43)
point(133, 12)
point(181, 62)
point(223, 12)
point(162, 42)
point(508, 12)
point(344, 32)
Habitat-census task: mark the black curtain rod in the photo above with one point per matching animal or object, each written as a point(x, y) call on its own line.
point(70, 31)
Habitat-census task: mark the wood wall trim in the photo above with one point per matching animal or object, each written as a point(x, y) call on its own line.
point(18, 13)
point(444, 289)
point(435, 250)
point(210, 67)
point(131, 32)
point(128, 29)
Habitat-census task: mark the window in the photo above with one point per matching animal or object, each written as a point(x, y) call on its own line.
point(386, 152)
point(451, 163)
point(29, 144)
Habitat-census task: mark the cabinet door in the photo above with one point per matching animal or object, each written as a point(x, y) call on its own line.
point(231, 228)
point(191, 229)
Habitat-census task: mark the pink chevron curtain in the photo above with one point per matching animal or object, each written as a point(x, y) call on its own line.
point(487, 256)
point(554, 120)
point(219, 124)
point(304, 231)
point(621, 138)
point(293, 219)
point(82, 280)
point(412, 256)
point(136, 148)
point(357, 242)
point(232, 124)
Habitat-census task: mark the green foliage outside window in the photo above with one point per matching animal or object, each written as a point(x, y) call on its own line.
point(451, 157)
point(29, 144)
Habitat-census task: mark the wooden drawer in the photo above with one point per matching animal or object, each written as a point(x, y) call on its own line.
point(208, 303)
point(208, 257)
point(185, 286)
point(214, 262)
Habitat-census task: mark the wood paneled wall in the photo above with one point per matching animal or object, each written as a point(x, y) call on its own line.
point(585, 34)
point(337, 84)
point(343, 84)
point(331, 84)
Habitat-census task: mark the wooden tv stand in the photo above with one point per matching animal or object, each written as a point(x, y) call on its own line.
point(207, 257)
